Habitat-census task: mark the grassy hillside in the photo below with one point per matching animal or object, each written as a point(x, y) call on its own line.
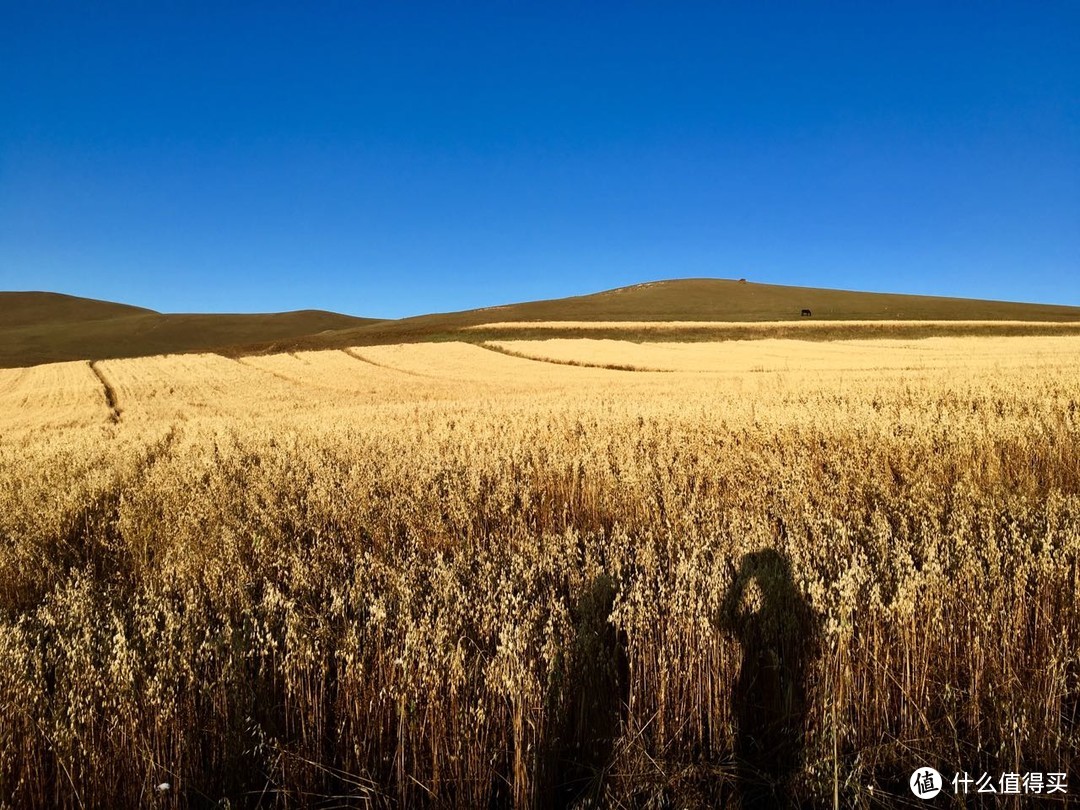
point(726, 300)
point(38, 327)
point(37, 308)
point(44, 327)
point(718, 300)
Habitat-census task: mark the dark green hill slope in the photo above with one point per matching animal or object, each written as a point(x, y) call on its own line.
point(40, 327)
point(38, 308)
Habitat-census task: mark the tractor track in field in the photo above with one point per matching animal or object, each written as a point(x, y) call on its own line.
point(357, 356)
point(491, 347)
point(111, 398)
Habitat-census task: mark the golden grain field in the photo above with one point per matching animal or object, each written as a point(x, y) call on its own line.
point(519, 574)
point(808, 325)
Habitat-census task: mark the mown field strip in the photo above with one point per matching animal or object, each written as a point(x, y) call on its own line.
point(807, 323)
point(773, 355)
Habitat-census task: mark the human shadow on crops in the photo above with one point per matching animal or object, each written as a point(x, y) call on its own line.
point(777, 631)
point(593, 702)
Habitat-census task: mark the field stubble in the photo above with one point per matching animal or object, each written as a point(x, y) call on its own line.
point(453, 577)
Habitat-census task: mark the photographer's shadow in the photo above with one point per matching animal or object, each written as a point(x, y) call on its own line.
point(777, 631)
point(597, 693)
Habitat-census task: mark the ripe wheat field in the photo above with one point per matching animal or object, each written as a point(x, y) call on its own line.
point(524, 575)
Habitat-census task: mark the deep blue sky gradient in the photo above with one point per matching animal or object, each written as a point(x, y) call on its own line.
point(395, 159)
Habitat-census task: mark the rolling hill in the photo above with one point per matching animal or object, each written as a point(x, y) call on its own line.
point(47, 327)
point(720, 301)
point(40, 327)
point(709, 299)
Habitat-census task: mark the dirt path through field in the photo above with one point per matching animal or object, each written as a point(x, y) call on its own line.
point(494, 347)
point(357, 356)
point(110, 392)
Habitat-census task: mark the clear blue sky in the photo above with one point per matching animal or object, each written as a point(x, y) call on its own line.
point(398, 158)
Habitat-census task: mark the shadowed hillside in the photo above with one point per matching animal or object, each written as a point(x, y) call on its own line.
point(39, 308)
point(37, 327)
point(45, 327)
